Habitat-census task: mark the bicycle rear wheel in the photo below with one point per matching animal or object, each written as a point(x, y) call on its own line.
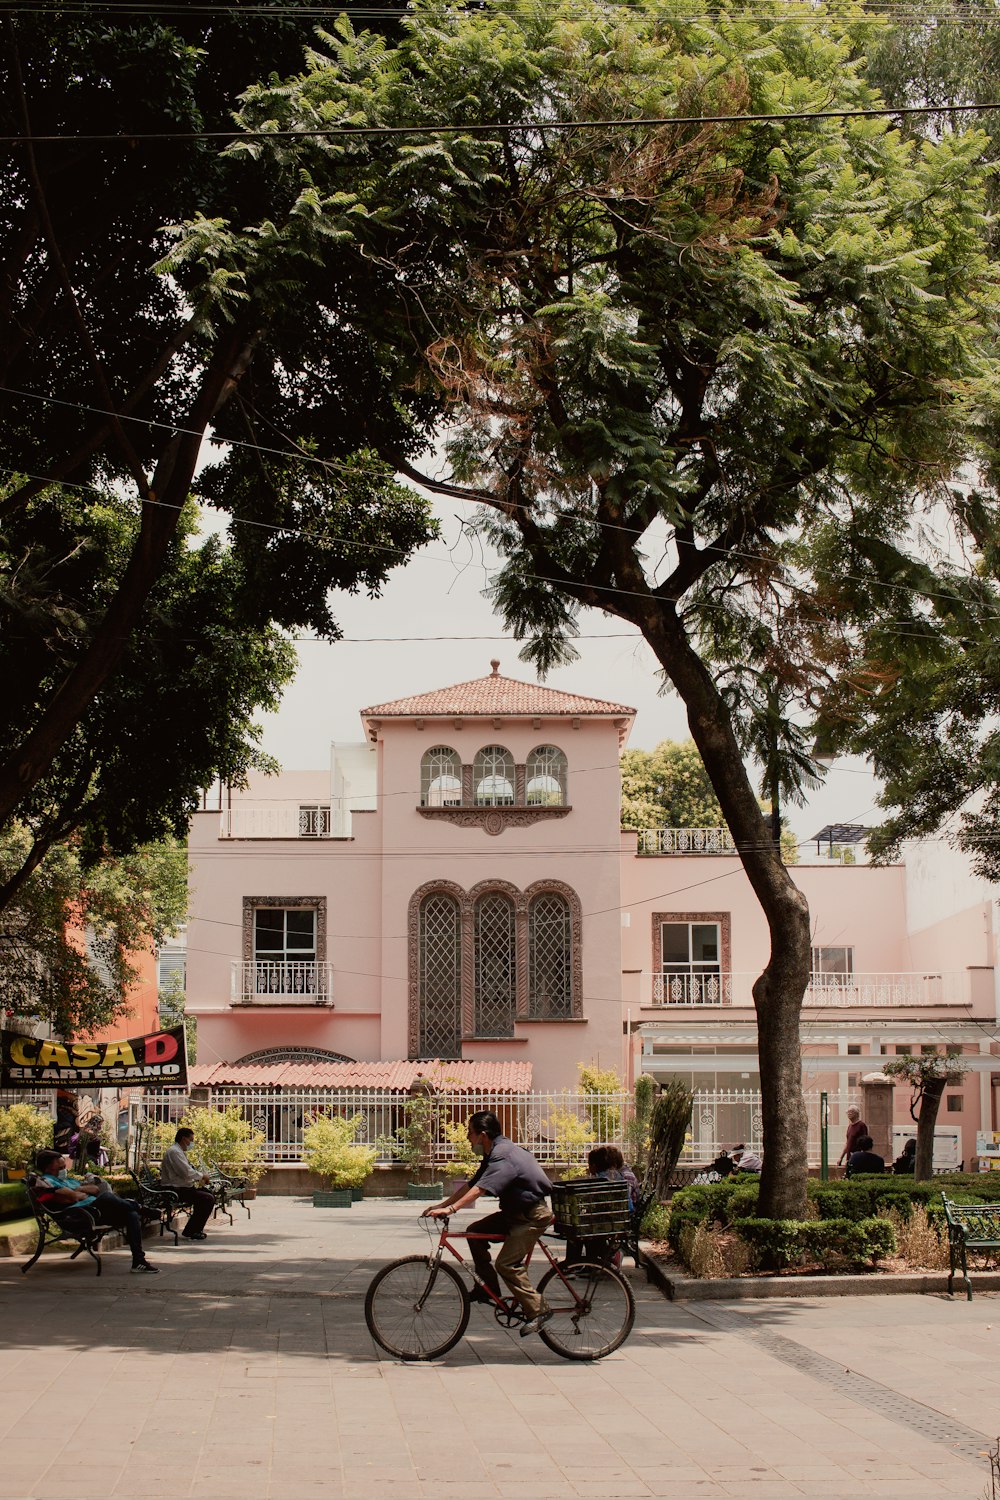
point(593, 1310)
point(409, 1324)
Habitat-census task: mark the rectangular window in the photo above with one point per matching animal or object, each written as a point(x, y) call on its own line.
point(854, 1049)
point(284, 951)
point(314, 821)
point(954, 1103)
point(832, 968)
point(690, 963)
point(903, 1049)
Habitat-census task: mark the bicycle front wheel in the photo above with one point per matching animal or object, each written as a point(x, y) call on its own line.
point(593, 1310)
point(417, 1311)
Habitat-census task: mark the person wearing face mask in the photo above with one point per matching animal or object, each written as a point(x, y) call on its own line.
point(510, 1174)
point(60, 1193)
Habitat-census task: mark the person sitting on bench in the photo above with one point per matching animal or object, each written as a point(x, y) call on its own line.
point(61, 1194)
point(188, 1182)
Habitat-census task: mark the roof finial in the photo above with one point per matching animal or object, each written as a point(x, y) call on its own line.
point(495, 664)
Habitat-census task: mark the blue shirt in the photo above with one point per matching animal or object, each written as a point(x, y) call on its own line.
point(511, 1174)
point(64, 1182)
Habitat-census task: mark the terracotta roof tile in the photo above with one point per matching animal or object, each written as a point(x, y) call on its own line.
point(458, 1077)
point(496, 696)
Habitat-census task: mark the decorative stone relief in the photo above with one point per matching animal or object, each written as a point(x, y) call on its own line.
point(493, 820)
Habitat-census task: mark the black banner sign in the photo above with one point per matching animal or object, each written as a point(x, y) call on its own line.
point(29, 1062)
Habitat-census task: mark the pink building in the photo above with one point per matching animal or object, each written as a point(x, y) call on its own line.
point(457, 886)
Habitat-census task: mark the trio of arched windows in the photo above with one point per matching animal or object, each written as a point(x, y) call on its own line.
point(494, 777)
point(487, 958)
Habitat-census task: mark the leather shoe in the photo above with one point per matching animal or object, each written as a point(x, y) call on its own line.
point(186, 1234)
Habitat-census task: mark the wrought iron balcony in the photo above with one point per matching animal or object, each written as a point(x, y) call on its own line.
point(280, 982)
point(836, 991)
point(686, 841)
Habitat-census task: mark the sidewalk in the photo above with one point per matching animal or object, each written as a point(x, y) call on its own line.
point(245, 1372)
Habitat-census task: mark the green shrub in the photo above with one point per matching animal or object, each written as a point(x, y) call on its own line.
point(656, 1223)
point(329, 1150)
point(224, 1140)
point(742, 1201)
point(777, 1243)
point(23, 1131)
point(13, 1200)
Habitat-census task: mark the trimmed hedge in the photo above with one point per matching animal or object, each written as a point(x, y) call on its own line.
point(775, 1243)
point(848, 1227)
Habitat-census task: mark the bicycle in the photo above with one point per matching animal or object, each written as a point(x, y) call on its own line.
point(417, 1308)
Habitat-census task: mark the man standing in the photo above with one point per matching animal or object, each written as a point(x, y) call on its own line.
point(856, 1128)
point(513, 1176)
point(177, 1173)
point(60, 1193)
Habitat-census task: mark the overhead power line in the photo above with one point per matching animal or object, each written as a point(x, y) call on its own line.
point(521, 127)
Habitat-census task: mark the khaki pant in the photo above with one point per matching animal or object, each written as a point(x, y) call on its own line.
point(520, 1232)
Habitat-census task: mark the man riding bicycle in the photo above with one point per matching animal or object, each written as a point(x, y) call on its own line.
point(512, 1175)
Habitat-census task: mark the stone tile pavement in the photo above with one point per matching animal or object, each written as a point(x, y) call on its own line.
point(245, 1372)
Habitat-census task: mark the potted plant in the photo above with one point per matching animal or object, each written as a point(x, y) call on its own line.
point(418, 1142)
point(328, 1147)
point(23, 1131)
point(463, 1161)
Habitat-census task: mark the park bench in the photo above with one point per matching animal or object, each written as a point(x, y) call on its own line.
point(971, 1226)
point(157, 1204)
point(73, 1224)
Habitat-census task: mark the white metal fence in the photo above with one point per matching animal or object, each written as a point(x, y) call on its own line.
point(555, 1127)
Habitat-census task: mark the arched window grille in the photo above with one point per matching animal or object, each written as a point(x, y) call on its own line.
point(439, 977)
point(496, 977)
point(550, 957)
point(440, 778)
point(493, 777)
point(545, 777)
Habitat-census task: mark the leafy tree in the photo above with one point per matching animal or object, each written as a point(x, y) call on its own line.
point(928, 1077)
point(70, 935)
point(681, 365)
point(668, 788)
point(181, 711)
point(125, 343)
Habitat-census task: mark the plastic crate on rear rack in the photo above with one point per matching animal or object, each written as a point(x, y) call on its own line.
point(588, 1207)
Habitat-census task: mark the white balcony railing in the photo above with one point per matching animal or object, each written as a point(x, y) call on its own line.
point(686, 841)
point(306, 821)
point(867, 991)
point(277, 982)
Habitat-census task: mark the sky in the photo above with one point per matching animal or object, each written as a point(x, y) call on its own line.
point(433, 627)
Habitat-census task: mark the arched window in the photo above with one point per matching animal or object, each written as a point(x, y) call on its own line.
point(439, 977)
point(496, 981)
point(440, 778)
point(545, 777)
point(493, 777)
point(550, 957)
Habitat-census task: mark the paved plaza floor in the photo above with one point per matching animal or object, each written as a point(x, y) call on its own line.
point(245, 1372)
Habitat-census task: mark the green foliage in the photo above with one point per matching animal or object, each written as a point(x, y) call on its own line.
point(777, 1243)
point(604, 1114)
point(572, 1138)
point(13, 1200)
point(668, 788)
point(172, 1010)
point(327, 1142)
point(23, 1131)
point(224, 1140)
point(637, 1126)
point(668, 1125)
point(418, 1137)
point(463, 1160)
point(656, 1222)
point(205, 287)
point(71, 933)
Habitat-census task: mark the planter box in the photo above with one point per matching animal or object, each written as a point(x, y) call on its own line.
point(426, 1191)
point(338, 1198)
point(356, 1194)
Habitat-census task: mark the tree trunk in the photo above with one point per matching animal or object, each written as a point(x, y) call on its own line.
point(930, 1103)
point(171, 484)
point(779, 990)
